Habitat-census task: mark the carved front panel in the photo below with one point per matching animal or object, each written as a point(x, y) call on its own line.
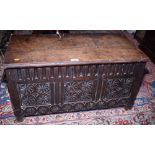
point(34, 94)
point(58, 89)
point(117, 88)
point(78, 91)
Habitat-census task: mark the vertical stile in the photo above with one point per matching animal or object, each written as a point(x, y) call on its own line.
point(132, 68)
point(47, 73)
point(77, 71)
point(54, 93)
point(111, 73)
point(97, 70)
point(74, 71)
point(93, 70)
point(115, 69)
point(81, 73)
point(103, 70)
point(27, 75)
point(44, 73)
point(52, 72)
point(62, 92)
point(119, 70)
point(56, 72)
point(31, 70)
point(64, 72)
point(35, 74)
point(98, 83)
point(19, 75)
point(60, 101)
point(39, 73)
point(88, 70)
point(14, 75)
point(67, 71)
point(59, 72)
point(110, 70)
point(23, 72)
point(128, 68)
point(56, 85)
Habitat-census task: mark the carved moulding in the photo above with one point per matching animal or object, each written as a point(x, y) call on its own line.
point(79, 106)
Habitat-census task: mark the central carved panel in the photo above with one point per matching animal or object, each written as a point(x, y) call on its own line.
point(34, 94)
point(78, 91)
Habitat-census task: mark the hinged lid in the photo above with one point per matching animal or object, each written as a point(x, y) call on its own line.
point(44, 50)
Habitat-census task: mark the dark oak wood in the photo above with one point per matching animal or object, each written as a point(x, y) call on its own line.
point(81, 72)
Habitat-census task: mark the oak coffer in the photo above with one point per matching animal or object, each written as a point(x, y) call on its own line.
point(46, 75)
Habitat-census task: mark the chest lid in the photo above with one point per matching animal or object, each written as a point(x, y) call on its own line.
point(49, 50)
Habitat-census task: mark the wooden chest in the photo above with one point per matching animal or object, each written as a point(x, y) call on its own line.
point(46, 75)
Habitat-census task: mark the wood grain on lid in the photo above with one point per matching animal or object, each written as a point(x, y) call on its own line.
point(42, 50)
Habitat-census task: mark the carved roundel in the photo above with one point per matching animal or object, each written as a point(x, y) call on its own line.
point(112, 103)
point(90, 105)
point(43, 110)
point(101, 104)
point(55, 109)
point(79, 106)
point(28, 100)
point(67, 107)
point(30, 111)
